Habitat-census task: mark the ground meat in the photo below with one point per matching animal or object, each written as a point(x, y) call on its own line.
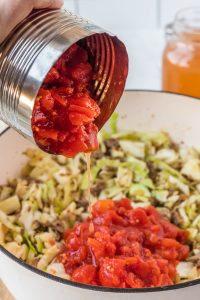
point(174, 146)
point(111, 144)
point(152, 171)
point(83, 201)
point(97, 188)
point(107, 172)
point(176, 218)
point(195, 259)
point(153, 201)
point(97, 154)
point(56, 226)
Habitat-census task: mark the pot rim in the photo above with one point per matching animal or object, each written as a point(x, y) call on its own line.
point(100, 288)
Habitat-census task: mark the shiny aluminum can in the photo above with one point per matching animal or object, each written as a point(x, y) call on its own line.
point(34, 46)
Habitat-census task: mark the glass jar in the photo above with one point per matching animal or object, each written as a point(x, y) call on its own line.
point(181, 57)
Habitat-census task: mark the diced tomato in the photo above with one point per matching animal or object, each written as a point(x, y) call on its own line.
point(39, 118)
point(78, 119)
point(182, 236)
point(48, 133)
point(102, 206)
point(84, 101)
point(62, 136)
point(79, 56)
point(66, 82)
point(63, 115)
point(124, 203)
point(112, 272)
point(81, 72)
point(110, 249)
point(72, 146)
point(96, 248)
point(82, 110)
point(138, 216)
point(73, 243)
point(85, 274)
point(52, 76)
point(134, 282)
point(123, 253)
point(46, 101)
point(79, 255)
point(58, 98)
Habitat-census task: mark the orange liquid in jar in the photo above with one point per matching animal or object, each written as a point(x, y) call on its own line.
point(181, 66)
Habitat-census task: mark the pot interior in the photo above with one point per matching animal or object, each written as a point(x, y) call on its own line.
point(138, 110)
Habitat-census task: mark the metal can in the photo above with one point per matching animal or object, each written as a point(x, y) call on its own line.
point(34, 46)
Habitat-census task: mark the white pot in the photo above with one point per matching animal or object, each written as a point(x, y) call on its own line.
point(139, 110)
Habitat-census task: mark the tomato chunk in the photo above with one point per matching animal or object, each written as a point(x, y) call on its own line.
point(85, 274)
point(124, 247)
point(64, 112)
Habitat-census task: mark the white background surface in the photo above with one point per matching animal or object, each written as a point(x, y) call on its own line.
point(140, 25)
